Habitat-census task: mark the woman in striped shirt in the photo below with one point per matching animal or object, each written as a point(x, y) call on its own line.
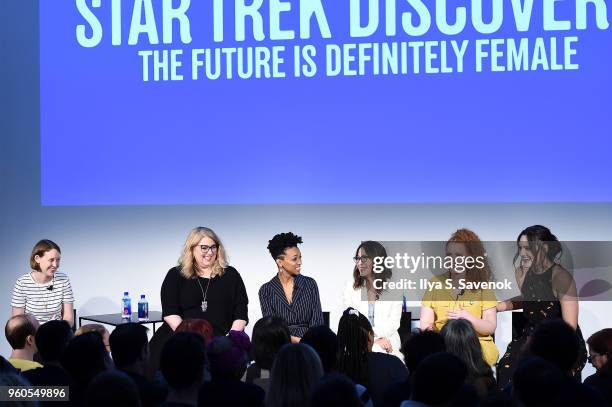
point(290, 295)
point(44, 292)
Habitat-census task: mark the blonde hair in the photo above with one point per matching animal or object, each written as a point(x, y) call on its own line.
point(186, 263)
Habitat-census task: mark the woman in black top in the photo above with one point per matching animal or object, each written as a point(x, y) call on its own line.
point(290, 295)
point(548, 291)
point(202, 286)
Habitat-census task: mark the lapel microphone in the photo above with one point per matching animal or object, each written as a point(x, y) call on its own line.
point(50, 288)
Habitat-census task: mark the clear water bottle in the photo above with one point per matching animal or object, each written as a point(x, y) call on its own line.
point(126, 302)
point(143, 308)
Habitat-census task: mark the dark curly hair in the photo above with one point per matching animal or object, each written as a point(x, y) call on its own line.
point(539, 236)
point(283, 241)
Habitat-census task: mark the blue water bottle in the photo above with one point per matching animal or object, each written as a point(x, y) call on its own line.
point(126, 302)
point(143, 309)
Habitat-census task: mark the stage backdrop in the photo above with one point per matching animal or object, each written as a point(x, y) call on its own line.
point(92, 134)
point(360, 101)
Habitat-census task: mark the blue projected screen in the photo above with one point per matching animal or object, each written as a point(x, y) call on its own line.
point(325, 101)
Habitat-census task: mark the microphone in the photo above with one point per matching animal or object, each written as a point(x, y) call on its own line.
point(50, 288)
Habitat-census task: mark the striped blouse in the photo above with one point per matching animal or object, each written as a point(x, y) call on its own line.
point(44, 301)
point(305, 309)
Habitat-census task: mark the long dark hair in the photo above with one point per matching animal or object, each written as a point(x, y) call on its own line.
point(296, 371)
point(270, 334)
point(373, 250)
point(354, 330)
point(462, 341)
point(539, 237)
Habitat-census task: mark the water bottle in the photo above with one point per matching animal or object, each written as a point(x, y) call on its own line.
point(143, 309)
point(126, 302)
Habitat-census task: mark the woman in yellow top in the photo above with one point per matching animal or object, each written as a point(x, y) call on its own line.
point(446, 299)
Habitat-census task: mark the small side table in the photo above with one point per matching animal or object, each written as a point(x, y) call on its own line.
point(155, 317)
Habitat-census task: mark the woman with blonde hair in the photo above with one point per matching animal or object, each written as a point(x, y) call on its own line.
point(204, 286)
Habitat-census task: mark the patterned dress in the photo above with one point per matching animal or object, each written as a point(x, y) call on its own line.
point(539, 304)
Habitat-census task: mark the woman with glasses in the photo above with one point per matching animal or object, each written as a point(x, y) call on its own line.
point(290, 295)
point(202, 286)
point(363, 293)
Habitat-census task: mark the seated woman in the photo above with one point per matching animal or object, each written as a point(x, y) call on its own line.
point(202, 286)
point(290, 295)
point(548, 291)
point(44, 292)
point(376, 371)
point(478, 306)
point(360, 293)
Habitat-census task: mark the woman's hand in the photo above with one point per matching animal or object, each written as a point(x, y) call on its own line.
point(295, 339)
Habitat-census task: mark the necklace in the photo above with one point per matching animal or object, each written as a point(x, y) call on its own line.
point(204, 293)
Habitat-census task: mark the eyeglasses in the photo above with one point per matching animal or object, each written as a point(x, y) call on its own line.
point(205, 249)
point(363, 259)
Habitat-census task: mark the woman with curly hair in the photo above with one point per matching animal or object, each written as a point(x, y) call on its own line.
point(477, 306)
point(290, 295)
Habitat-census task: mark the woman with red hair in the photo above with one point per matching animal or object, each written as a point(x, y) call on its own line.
point(447, 300)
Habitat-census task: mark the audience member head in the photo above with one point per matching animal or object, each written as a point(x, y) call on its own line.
point(113, 388)
point(269, 335)
point(355, 339)
point(438, 379)
point(325, 342)
point(182, 360)
point(420, 345)
point(85, 357)
point(335, 390)
point(296, 370)
point(555, 341)
point(20, 331)
point(600, 349)
point(51, 339)
point(228, 355)
point(537, 382)
point(129, 346)
point(95, 328)
point(198, 326)
point(462, 341)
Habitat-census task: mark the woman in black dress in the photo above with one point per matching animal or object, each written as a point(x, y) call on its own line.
point(201, 286)
point(548, 291)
